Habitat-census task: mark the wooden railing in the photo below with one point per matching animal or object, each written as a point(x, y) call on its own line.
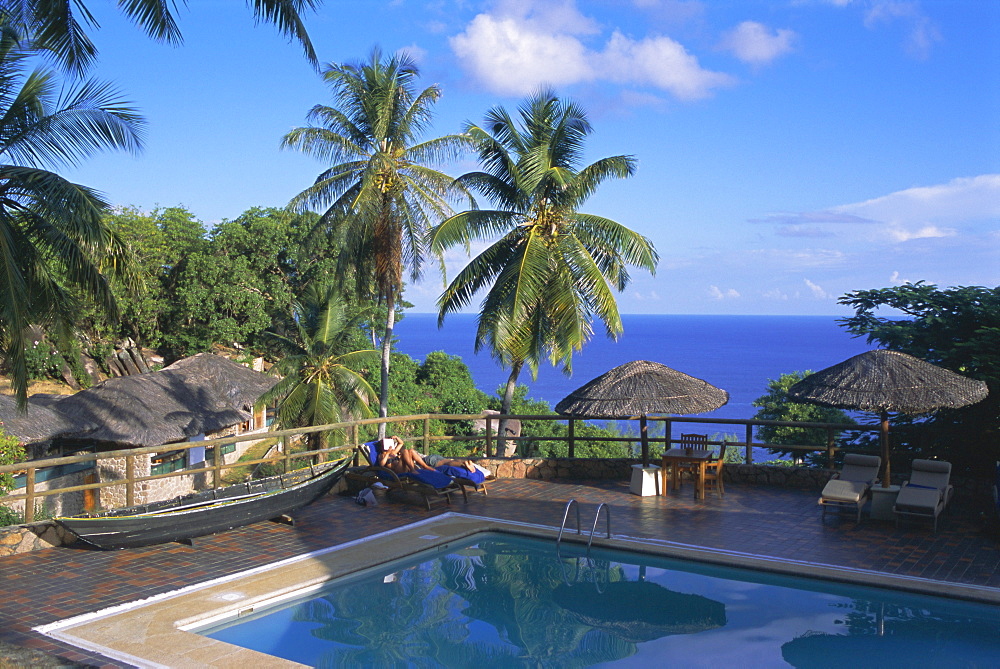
point(350, 436)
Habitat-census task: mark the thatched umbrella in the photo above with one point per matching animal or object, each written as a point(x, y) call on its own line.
point(640, 611)
point(639, 388)
point(888, 381)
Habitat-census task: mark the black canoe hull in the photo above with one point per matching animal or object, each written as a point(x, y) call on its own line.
point(204, 513)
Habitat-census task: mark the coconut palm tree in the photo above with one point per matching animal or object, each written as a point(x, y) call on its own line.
point(553, 269)
point(59, 26)
point(378, 196)
point(52, 237)
point(321, 379)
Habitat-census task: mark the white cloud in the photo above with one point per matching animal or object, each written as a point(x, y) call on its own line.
point(921, 32)
point(657, 61)
point(757, 44)
point(775, 295)
point(652, 296)
point(817, 290)
point(511, 58)
point(717, 293)
point(797, 259)
point(899, 234)
point(894, 279)
point(933, 211)
point(524, 45)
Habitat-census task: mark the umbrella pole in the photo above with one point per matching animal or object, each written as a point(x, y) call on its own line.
point(644, 438)
point(885, 449)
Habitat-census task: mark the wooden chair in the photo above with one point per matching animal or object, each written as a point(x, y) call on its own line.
point(698, 441)
point(713, 471)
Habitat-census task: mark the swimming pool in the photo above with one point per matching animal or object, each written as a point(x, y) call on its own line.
point(502, 600)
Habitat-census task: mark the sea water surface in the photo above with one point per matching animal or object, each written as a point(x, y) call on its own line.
point(737, 353)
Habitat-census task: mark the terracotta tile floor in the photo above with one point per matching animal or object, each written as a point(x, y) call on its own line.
point(50, 585)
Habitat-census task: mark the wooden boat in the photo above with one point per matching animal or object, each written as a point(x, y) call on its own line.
point(206, 512)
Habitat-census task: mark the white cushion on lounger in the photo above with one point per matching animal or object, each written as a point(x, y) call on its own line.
point(844, 491)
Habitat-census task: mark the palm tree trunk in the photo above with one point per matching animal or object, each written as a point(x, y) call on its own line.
point(383, 393)
point(508, 399)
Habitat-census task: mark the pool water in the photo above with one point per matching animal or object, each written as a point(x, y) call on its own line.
point(506, 601)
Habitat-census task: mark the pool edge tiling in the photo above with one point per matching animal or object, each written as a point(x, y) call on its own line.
point(154, 632)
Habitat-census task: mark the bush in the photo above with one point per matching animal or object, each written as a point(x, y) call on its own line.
point(11, 452)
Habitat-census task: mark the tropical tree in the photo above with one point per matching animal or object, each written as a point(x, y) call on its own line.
point(321, 376)
point(957, 328)
point(60, 26)
point(776, 405)
point(53, 233)
point(379, 196)
point(553, 269)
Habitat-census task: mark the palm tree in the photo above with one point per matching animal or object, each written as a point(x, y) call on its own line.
point(321, 382)
point(553, 269)
point(52, 236)
point(57, 26)
point(379, 195)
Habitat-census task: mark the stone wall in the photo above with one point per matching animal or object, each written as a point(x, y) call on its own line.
point(18, 539)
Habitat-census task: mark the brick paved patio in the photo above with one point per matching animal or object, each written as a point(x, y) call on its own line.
point(50, 585)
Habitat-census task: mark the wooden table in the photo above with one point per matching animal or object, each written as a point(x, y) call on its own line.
point(675, 457)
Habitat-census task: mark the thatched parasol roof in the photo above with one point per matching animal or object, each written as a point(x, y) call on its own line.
point(200, 394)
point(640, 611)
point(641, 387)
point(39, 424)
point(881, 381)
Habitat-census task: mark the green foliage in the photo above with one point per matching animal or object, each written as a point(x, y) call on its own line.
point(54, 241)
point(42, 361)
point(541, 432)
point(322, 378)
point(442, 383)
point(955, 328)
point(776, 405)
point(216, 298)
point(11, 452)
point(56, 29)
point(553, 269)
point(380, 194)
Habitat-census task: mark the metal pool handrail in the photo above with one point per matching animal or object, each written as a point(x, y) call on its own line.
point(562, 525)
point(597, 516)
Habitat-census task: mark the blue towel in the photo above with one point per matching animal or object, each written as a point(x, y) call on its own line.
point(476, 477)
point(430, 477)
point(373, 449)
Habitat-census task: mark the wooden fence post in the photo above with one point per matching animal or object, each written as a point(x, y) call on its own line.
point(489, 450)
point(572, 437)
point(217, 459)
point(427, 434)
point(129, 480)
point(29, 491)
point(749, 444)
point(829, 448)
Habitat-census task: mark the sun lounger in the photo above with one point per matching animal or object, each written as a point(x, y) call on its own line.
point(851, 486)
point(927, 492)
point(431, 486)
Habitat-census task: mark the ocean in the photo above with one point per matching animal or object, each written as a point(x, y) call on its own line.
point(737, 353)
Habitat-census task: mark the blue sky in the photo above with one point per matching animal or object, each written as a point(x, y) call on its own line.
point(789, 152)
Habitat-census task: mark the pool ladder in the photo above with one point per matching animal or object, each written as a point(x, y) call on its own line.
point(593, 530)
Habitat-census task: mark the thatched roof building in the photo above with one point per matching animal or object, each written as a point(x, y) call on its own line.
point(201, 394)
point(38, 425)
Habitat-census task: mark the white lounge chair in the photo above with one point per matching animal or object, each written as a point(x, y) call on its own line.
point(927, 492)
point(851, 486)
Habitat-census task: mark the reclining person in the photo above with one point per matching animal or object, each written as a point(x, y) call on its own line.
point(407, 461)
